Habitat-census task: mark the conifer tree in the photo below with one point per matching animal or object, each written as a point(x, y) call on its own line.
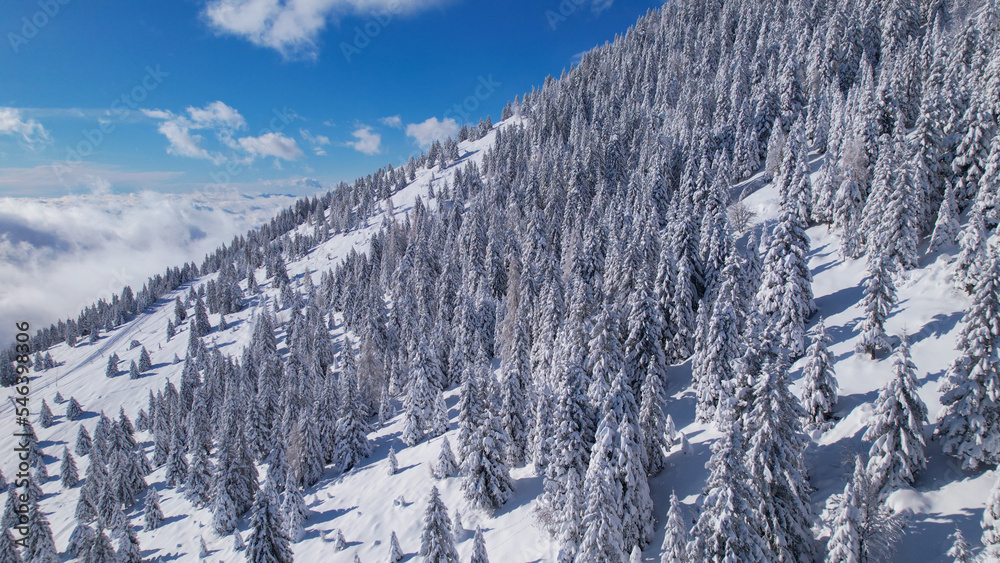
point(8, 549)
point(395, 553)
point(101, 549)
point(80, 540)
point(960, 551)
point(602, 535)
point(844, 544)
point(446, 465)
point(73, 410)
point(785, 296)
point(152, 514)
point(198, 481)
point(974, 255)
point(991, 523)
point(45, 418)
point(775, 461)
point(487, 478)
point(112, 369)
point(970, 420)
point(896, 427)
point(128, 545)
point(437, 544)
point(83, 442)
point(353, 445)
point(728, 527)
point(293, 510)
point(479, 548)
point(177, 465)
point(200, 325)
point(40, 546)
point(879, 298)
point(133, 371)
point(268, 542)
point(145, 363)
point(68, 473)
point(819, 395)
point(675, 536)
point(392, 462)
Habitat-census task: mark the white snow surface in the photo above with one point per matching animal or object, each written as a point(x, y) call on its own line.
point(362, 503)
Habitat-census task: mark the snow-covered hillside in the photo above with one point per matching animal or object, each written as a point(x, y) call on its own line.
point(367, 504)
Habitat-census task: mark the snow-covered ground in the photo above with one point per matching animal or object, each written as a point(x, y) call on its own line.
point(367, 504)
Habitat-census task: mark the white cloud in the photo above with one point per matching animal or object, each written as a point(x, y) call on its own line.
point(272, 144)
point(598, 6)
point(315, 141)
point(217, 114)
point(13, 123)
point(293, 27)
point(224, 121)
point(182, 142)
point(432, 130)
point(368, 141)
point(62, 177)
point(392, 121)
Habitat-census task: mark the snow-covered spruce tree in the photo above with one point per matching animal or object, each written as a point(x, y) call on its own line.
point(83, 441)
point(8, 549)
point(419, 400)
point(101, 549)
point(112, 369)
point(268, 542)
point(602, 518)
point(395, 553)
point(73, 410)
point(879, 298)
point(479, 554)
point(973, 256)
point(637, 515)
point(471, 410)
point(198, 481)
point(819, 394)
point(775, 461)
point(128, 545)
point(200, 326)
point(352, 429)
point(446, 465)
point(437, 544)
point(675, 537)
point(177, 465)
point(145, 363)
point(970, 420)
point(864, 529)
point(720, 347)
point(293, 510)
point(133, 371)
point(960, 551)
point(45, 418)
point(844, 545)
point(515, 368)
point(487, 480)
point(728, 527)
point(393, 464)
point(68, 473)
point(896, 428)
point(40, 546)
point(991, 523)
point(785, 296)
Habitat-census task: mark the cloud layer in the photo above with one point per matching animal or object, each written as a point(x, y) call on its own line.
point(59, 255)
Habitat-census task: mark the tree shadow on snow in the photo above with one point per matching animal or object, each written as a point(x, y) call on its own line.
point(840, 300)
point(940, 528)
point(938, 326)
point(316, 518)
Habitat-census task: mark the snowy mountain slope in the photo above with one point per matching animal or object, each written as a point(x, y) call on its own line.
point(367, 504)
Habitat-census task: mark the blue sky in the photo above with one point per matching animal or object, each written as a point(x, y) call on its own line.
point(263, 95)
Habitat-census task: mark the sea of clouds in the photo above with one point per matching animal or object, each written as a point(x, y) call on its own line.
point(59, 255)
